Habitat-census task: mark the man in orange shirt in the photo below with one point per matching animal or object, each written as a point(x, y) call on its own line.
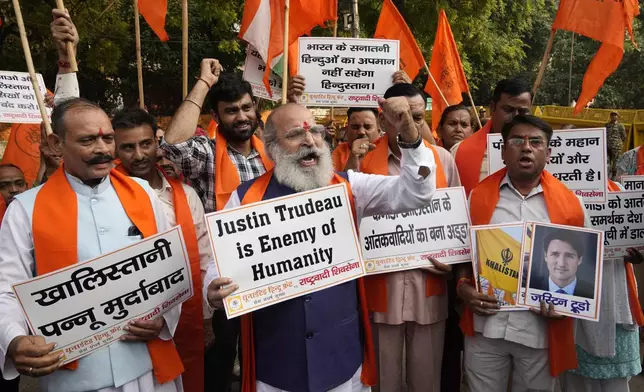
point(362, 132)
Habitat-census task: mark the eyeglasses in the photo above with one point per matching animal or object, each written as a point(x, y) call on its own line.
point(518, 141)
point(298, 135)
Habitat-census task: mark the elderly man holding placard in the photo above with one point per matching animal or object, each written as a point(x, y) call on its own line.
point(331, 326)
point(85, 210)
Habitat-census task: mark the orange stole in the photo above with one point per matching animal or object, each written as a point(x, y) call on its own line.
point(226, 174)
point(340, 156)
point(564, 209)
point(631, 282)
point(3, 209)
point(376, 162)
point(640, 161)
point(369, 375)
point(189, 335)
point(469, 157)
point(55, 246)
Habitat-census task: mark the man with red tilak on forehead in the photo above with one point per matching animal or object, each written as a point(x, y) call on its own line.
point(85, 210)
point(322, 341)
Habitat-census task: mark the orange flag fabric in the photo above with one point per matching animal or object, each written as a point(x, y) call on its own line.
point(212, 128)
point(391, 25)
point(447, 69)
point(603, 21)
point(154, 12)
point(23, 150)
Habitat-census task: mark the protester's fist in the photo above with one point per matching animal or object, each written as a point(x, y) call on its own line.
point(479, 303)
point(400, 77)
point(49, 100)
point(217, 292)
point(633, 256)
point(210, 71)
point(361, 147)
point(398, 113)
point(63, 30)
point(32, 356)
point(143, 330)
point(438, 269)
point(295, 88)
point(548, 312)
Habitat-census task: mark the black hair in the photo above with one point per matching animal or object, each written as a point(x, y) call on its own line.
point(350, 111)
point(451, 109)
point(512, 87)
point(11, 165)
point(526, 119)
point(132, 118)
point(229, 88)
point(403, 90)
point(567, 236)
point(58, 114)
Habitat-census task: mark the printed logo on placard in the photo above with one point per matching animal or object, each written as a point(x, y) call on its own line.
point(371, 266)
point(235, 303)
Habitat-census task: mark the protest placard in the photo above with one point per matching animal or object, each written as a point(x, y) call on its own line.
point(254, 74)
point(17, 98)
point(578, 159)
point(76, 308)
point(633, 183)
point(282, 248)
point(496, 261)
point(346, 71)
point(406, 241)
point(621, 219)
point(564, 268)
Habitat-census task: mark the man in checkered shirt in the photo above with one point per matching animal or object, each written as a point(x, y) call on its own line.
point(215, 168)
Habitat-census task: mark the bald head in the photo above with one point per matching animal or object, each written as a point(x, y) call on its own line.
point(285, 117)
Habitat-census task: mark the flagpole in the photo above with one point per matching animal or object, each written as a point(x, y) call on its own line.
point(542, 68)
point(70, 46)
point(436, 84)
point(30, 66)
point(285, 56)
point(476, 112)
point(184, 45)
point(139, 62)
point(572, 53)
point(335, 34)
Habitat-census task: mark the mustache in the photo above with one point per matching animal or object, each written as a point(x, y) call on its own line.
point(97, 160)
point(306, 151)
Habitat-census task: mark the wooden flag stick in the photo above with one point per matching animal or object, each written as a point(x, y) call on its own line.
point(285, 55)
point(184, 45)
point(476, 112)
point(30, 66)
point(335, 34)
point(139, 62)
point(542, 68)
point(436, 85)
point(70, 47)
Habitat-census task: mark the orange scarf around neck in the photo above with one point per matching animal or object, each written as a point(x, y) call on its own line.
point(55, 245)
point(640, 161)
point(564, 209)
point(189, 335)
point(469, 157)
point(631, 282)
point(376, 162)
point(226, 173)
point(340, 156)
point(369, 375)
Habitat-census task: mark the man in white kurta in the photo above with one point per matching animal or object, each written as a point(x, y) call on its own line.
point(103, 226)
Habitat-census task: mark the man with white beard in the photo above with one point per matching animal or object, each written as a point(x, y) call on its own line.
point(322, 341)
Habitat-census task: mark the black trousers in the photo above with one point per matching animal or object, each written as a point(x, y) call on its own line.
point(220, 356)
point(9, 385)
point(451, 368)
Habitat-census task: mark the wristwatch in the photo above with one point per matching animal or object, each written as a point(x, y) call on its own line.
point(415, 144)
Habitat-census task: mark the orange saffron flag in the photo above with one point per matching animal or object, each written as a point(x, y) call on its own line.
point(23, 150)
point(447, 69)
point(603, 21)
point(154, 12)
point(391, 25)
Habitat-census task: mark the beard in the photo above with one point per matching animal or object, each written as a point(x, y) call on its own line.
point(289, 172)
point(233, 135)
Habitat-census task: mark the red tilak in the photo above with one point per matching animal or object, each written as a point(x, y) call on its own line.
point(100, 132)
point(306, 126)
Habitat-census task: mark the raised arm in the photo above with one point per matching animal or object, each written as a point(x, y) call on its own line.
point(63, 30)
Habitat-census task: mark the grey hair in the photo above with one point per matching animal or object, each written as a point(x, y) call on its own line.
point(270, 133)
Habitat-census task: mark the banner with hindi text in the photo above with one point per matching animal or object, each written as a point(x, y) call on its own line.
point(18, 100)
point(254, 70)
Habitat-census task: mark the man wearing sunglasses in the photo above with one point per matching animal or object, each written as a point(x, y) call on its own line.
point(322, 341)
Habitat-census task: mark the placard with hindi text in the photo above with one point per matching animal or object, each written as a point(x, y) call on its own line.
point(254, 74)
point(18, 100)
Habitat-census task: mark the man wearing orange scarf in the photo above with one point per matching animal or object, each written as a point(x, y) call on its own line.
point(511, 98)
point(322, 342)
point(85, 210)
point(362, 132)
point(215, 168)
point(537, 346)
point(136, 147)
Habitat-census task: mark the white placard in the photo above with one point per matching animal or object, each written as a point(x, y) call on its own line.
point(622, 221)
point(578, 159)
point(18, 100)
point(633, 183)
point(282, 248)
point(406, 241)
point(254, 69)
point(564, 268)
point(77, 308)
point(346, 71)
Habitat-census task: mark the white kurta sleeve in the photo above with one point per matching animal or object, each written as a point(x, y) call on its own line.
point(66, 87)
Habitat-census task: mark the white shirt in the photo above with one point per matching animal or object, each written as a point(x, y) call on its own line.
point(569, 289)
point(66, 87)
point(17, 264)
